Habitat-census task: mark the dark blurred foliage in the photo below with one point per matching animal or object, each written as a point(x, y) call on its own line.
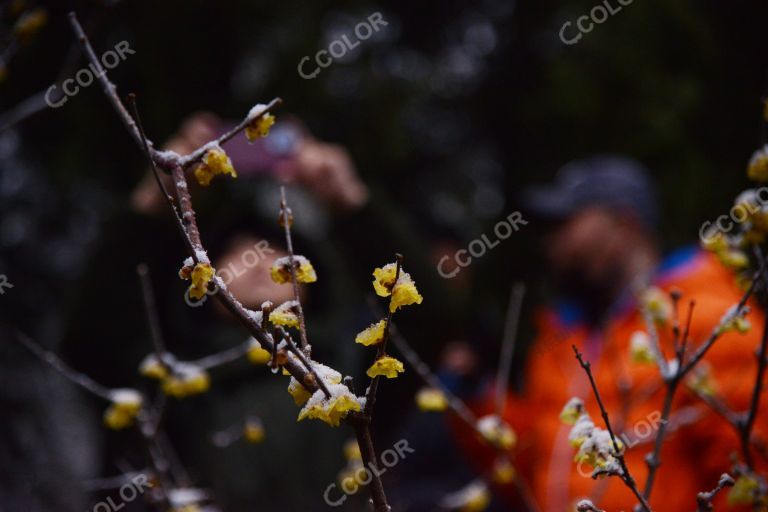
point(449, 111)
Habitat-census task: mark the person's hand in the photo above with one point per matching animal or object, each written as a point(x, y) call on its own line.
point(328, 172)
point(196, 130)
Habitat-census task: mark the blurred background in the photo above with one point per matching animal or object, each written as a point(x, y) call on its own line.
point(447, 112)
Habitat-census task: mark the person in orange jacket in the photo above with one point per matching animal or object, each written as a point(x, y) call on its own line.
point(602, 250)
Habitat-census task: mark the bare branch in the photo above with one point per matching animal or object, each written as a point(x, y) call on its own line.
point(508, 346)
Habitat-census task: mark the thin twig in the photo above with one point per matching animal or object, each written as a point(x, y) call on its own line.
point(704, 499)
point(508, 346)
point(625, 475)
point(286, 218)
point(150, 308)
point(304, 360)
point(223, 357)
point(64, 369)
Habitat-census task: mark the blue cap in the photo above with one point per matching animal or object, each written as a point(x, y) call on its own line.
point(612, 181)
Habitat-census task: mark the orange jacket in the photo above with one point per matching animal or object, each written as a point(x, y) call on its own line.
point(694, 455)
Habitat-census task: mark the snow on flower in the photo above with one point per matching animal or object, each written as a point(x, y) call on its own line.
point(757, 169)
point(325, 373)
point(384, 279)
point(281, 270)
point(372, 335)
point(497, 432)
point(186, 380)
point(333, 409)
point(259, 127)
point(656, 303)
point(214, 162)
point(734, 320)
point(285, 314)
point(152, 368)
point(593, 445)
point(640, 348)
point(126, 404)
point(572, 410)
point(386, 366)
point(257, 354)
point(404, 293)
point(475, 497)
point(201, 274)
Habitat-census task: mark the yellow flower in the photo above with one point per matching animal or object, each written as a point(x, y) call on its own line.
point(151, 367)
point(298, 392)
point(330, 410)
point(214, 162)
point(259, 127)
point(744, 491)
point(253, 431)
point(285, 314)
point(201, 275)
point(497, 432)
point(186, 380)
point(431, 400)
point(701, 380)
point(257, 354)
point(352, 450)
point(475, 497)
point(714, 241)
point(373, 335)
point(503, 471)
point(758, 165)
point(656, 302)
point(404, 294)
point(30, 23)
point(386, 366)
point(348, 480)
point(640, 348)
point(281, 270)
point(384, 279)
point(734, 320)
point(733, 258)
point(126, 404)
point(572, 411)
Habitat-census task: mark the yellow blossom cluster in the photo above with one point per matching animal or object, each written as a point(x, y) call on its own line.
point(497, 432)
point(748, 491)
point(186, 380)
point(401, 287)
point(333, 409)
point(385, 366)
point(701, 380)
point(285, 314)
point(253, 431)
point(656, 302)
point(200, 274)
point(640, 348)
point(431, 400)
point(215, 162)
point(393, 282)
point(281, 270)
point(475, 497)
point(372, 335)
point(593, 445)
point(503, 471)
point(757, 169)
point(259, 127)
point(125, 406)
point(257, 354)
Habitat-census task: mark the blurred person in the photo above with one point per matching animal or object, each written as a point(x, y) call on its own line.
point(601, 251)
